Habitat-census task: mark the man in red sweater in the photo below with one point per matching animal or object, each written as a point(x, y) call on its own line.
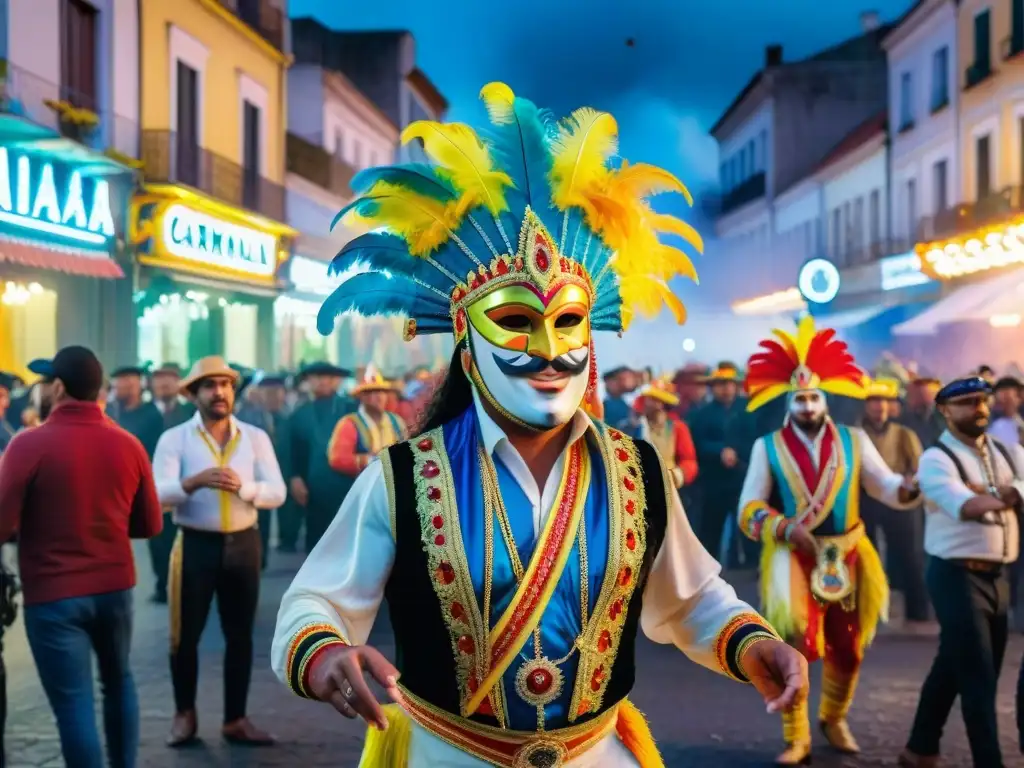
point(75, 490)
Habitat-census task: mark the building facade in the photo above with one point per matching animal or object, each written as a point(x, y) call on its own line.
point(774, 136)
point(68, 131)
point(209, 224)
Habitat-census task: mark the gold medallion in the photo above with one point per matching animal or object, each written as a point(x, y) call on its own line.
point(539, 682)
point(830, 579)
point(541, 754)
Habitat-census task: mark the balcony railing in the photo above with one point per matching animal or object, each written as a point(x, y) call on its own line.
point(170, 157)
point(969, 216)
point(745, 192)
point(264, 17)
point(976, 73)
point(314, 163)
point(74, 115)
point(856, 254)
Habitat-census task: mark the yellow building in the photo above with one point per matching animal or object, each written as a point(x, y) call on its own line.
point(208, 223)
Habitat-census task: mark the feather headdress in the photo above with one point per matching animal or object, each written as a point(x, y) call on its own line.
point(531, 201)
point(810, 360)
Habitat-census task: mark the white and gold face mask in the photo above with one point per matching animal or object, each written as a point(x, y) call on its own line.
point(531, 353)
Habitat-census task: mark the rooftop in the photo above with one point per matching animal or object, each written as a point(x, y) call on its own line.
point(856, 138)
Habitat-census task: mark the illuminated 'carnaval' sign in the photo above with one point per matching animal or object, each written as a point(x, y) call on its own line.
point(73, 208)
point(189, 234)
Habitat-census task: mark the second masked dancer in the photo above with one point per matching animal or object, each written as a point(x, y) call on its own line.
point(521, 545)
point(822, 584)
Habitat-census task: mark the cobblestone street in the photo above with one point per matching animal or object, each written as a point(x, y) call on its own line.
point(699, 719)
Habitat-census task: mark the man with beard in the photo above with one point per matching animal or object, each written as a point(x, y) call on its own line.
point(315, 487)
point(900, 449)
point(520, 544)
point(360, 436)
point(921, 414)
point(972, 486)
point(823, 585)
point(216, 472)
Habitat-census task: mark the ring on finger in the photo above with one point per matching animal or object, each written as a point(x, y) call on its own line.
point(348, 693)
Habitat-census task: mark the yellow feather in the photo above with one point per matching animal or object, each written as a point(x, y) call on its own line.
point(661, 222)
point(804, 335)
point(464, 160)
point(765, 395)
point(423, 222)
point(788, 343)
point(498, 98)
point(643, 180)
point(845, 388)
point(647, 295)
point(581, 150)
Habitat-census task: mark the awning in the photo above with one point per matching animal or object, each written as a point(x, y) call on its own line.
point(977, 301)
point(850, 318)
point(69, 260)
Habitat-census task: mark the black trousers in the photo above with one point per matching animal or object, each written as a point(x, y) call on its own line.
point(904, 560)
point(289, 523)
point(971, 608)
point(265, 516)
point(160, 553)
point(205, 564)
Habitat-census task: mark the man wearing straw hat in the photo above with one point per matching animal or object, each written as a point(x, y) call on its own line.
point(217, 472)
point(666, 432)
point(360, 436)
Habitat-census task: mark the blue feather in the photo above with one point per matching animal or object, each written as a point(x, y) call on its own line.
point(373, 293)
point(522, 147)
point(388, 253)
point(417, 177)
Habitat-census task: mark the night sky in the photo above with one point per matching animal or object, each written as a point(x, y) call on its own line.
point(687, 61)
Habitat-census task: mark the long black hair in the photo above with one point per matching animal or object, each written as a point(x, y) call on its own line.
point(452, 398)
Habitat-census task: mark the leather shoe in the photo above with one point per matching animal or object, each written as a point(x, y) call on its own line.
point(910, 759)
point(183, 729)
point(243, 732)
point(797, 753)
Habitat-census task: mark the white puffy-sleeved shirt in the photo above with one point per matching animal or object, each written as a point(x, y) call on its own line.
point(948, 536)
point(188, 449)
point(876, 478)
point(342, 581)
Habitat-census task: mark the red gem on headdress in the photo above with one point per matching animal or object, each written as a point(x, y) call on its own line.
point(563, 264)
point(541, 257)
point(460, 321)
point(502, 267)
point(477, 282)
point(539, 681)
point(457, 294)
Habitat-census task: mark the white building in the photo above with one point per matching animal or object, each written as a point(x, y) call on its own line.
point(923, 108)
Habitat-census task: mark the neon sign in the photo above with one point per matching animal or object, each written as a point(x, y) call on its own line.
point(189, 234)
point(819, 281)
point(29, 199)
point(903, 271)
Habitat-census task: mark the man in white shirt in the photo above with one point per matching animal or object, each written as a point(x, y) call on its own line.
point(972, 487)
point(217, 472)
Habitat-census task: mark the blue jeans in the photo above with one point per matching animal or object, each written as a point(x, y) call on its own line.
point(63, 636)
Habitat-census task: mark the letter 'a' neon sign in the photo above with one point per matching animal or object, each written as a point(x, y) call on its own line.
point(29, 200)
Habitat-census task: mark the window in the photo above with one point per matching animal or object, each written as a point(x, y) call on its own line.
point(1017, 27)
point(752, 152)
point(764, 151)
point(339, 144)
point(983, 160)
point(187, 130)
point(836, 232)
point(858, 225)
point(78, 54)
point(846, 246)
point(983, 43)
point(357, 154)
point(912, 208)
point(251, 156)
point(875, 218)
point(906, 101)
point(941, 186)
point(940, 78)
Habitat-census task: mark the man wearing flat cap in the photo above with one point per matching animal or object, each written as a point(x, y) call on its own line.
point(972, 485)
point(217, 472)
point(143, 419)
point(315, 487)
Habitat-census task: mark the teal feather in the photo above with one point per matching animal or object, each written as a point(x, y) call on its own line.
point(383, 252)
point(417, 177)
point(522, 148)
point(373, 293)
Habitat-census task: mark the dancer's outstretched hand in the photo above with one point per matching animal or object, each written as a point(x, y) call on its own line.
point(778, 671)
point(338, 678)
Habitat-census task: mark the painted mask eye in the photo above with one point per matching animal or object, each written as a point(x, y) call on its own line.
point(568, 320)
point(520, 323)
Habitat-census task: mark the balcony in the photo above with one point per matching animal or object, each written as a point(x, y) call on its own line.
point(171, 159)
point(978, 72)
point(1012, 46)
point(314, 163)
point(857, 254)
point(33, 108)
point(970, 216)
point(747, 191)
point(263, 16)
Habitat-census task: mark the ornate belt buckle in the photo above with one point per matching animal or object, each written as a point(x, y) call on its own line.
point(543, 753)
point(830, 579)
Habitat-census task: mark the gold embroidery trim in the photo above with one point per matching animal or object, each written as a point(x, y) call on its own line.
point(446, 559)
point(627, 542)
point(389, 484)
point(801, 493)
point(731, 627)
